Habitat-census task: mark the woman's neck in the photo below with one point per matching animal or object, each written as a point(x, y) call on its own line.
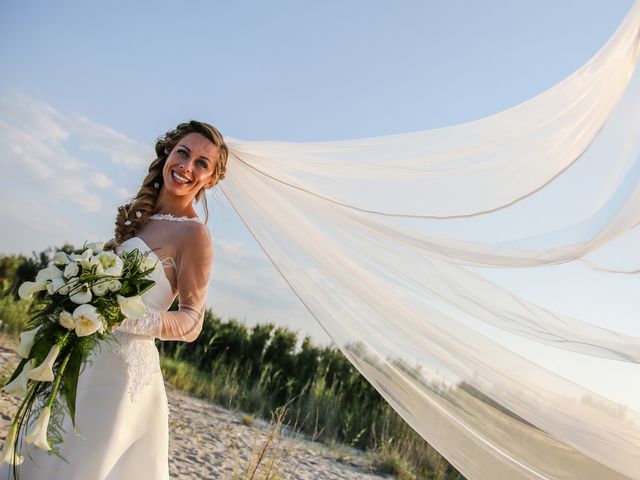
point(176, 206)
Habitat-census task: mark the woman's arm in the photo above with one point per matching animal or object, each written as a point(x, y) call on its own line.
point(193, 266)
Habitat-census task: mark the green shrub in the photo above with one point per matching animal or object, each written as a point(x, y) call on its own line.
point(14, 314)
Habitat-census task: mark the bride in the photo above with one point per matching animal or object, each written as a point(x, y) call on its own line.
point(121, 408)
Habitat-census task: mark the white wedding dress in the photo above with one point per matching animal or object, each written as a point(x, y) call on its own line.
point(121, 407)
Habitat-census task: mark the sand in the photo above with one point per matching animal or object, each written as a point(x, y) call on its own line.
point(208, 441)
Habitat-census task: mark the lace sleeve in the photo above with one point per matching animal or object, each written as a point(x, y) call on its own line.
point(193, 267)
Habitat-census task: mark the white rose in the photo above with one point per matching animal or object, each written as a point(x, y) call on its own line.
point(66, 320)
point(100, 288)
point(87, 320)
point(109, 264)
point(115, 285)
point(71, 270)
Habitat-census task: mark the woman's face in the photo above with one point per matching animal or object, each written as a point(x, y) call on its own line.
point(190, 166)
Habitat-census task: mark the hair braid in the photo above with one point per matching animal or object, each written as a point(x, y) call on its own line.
point(134, 214)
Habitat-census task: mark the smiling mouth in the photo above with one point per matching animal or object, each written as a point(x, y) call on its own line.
point(179, 178)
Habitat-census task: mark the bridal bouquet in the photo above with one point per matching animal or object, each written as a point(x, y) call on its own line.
point(84, 295)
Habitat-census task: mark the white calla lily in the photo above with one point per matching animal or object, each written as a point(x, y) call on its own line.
point(48, 273)
point(96, 247)
point(65, 289)
point(71, 270)
point(131, 307)
point(44, 371)
point(60, 258)
point(27, 289)
point(87, 320)
point(38, 433)
point(19, 384)
point(109, 264)
point(26, 342)
point(8, 450)
point(66, 320)
point(85, 258)
point(149, 262)
point(57, 285)
point(80, 294)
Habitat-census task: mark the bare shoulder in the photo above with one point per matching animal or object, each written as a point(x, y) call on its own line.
point(196, 234)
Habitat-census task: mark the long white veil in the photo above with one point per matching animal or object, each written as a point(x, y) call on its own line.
point(390, 242)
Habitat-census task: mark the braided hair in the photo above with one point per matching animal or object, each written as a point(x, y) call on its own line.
point(134, 214)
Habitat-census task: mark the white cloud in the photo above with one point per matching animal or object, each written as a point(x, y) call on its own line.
point(100, 180)
point(121, 150)
point(123, 194)
point(34, 117)
point(65, 165)
point(29, 225)
point(62, 155)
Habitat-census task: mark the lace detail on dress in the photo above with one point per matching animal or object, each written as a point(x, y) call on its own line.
point(168, 216)
point(149, 325)
point(142, 359)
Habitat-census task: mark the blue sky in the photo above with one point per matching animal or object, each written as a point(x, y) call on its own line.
point(86, 87)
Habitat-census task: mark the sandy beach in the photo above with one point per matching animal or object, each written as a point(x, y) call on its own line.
point(208, 441)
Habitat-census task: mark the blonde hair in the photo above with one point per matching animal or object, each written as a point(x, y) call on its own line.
point(134, 214)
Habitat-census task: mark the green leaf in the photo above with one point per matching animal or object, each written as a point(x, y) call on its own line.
point(145, 285)
point(70, 382)
point(40, 348)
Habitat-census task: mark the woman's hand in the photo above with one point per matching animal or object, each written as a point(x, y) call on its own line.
point(110, 245)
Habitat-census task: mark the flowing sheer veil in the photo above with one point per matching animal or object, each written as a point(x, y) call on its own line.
point(390, 242)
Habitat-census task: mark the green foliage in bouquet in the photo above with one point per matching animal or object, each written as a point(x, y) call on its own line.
point(77, 300)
